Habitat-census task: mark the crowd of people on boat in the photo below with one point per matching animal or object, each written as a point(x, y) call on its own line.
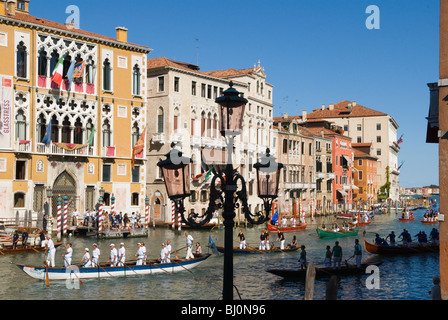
point(117, 256)
point(111, 220)
point(431, 215)
point(406, 238)
point(407, 214)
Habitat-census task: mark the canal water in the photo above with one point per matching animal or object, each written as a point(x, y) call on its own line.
point(401, 277)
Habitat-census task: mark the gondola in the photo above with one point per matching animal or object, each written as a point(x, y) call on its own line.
point(273, 228)
point(324, 272)
point(253, 250)
point(400, 249)
point(106, 271)
point(336, 234)
point(8, 249)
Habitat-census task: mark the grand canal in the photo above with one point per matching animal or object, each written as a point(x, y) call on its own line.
point(401, 278)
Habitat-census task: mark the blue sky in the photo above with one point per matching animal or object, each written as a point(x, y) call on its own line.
point(314, 52)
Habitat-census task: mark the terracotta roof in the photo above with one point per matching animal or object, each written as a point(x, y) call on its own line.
point(26, 18)
point(342, 110)
point(231, 72)
point(165, 62)
point(327, 132)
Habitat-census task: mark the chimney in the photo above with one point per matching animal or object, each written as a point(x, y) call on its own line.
point(122, 34)
point(354, 103)
point(285, 116)
point(11, 7)
point(323, 106)
point(331, 107)
point(304, 115)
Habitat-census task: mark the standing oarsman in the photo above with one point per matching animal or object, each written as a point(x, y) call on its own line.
point(96, 253)
point(68, 255)
point(242, 239)
point(113, 255)
point(190, 241)
point(281, 238)
point(121, 255)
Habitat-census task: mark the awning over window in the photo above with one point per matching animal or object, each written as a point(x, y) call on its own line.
point(342, 192)
point(349, 160)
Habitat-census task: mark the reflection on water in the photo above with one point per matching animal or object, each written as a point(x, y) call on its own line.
point(407, 278)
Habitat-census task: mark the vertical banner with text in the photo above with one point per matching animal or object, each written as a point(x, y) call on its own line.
point(6, 111)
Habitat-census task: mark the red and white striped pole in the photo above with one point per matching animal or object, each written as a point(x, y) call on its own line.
point(178, 222)
point(173, 215)
point(100, 215)
point(112, 208)
point(146, 212)
point(65, 214)
point(59, 226)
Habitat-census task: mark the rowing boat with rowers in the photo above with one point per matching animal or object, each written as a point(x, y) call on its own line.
point(252, 250)
point(274, 228)
point(9, 249)
point(399, 249)
point(107, 271)
point(324, 272)
point(429, 221)
point(327, 233)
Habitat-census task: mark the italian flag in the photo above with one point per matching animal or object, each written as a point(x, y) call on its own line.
point(57, 72)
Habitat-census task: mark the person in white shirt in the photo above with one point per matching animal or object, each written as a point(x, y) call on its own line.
point(121, 255)
point(190, 241)
point(284, 222)
point(168, 251)
point(113, 255)
point(51, 251)
point(95, 255)
point(140, 254)
point(144, 253)
point(68, 255)
point(163, 254)
point(85, 261)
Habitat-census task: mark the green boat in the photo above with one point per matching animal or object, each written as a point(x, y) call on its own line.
point(333, 234)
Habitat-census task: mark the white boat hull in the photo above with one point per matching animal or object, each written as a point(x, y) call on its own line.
point(73, 272)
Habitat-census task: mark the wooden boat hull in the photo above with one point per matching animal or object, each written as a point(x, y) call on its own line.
point(400, 249)
point(37, 248)
point(253, 250)
point(324, 272)
point(331, 234)
point(429, 222)
point(301, 226)
point(62, 273)
point(406, 220)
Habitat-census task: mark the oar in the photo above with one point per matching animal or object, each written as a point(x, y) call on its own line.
point(130, 268)
point(182, 266)
point(80, 282)
point(154, 264)
point(47, 279)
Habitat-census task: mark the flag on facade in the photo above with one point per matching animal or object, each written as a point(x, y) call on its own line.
point(402, 162)
point(47, 137)
point(92, 135)
point(400, 140)
point(79, 67)
point(57, 72)
point(138, 147)
point(70, 72)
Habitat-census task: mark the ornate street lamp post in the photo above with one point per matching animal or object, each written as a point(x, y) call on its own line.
point(227, 188)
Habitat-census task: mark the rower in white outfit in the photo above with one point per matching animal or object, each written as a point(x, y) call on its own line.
point(140, 254)
point(113, 255)
point(121, 255)
point(68, 255)
point(95, 255)
point(51, 251)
